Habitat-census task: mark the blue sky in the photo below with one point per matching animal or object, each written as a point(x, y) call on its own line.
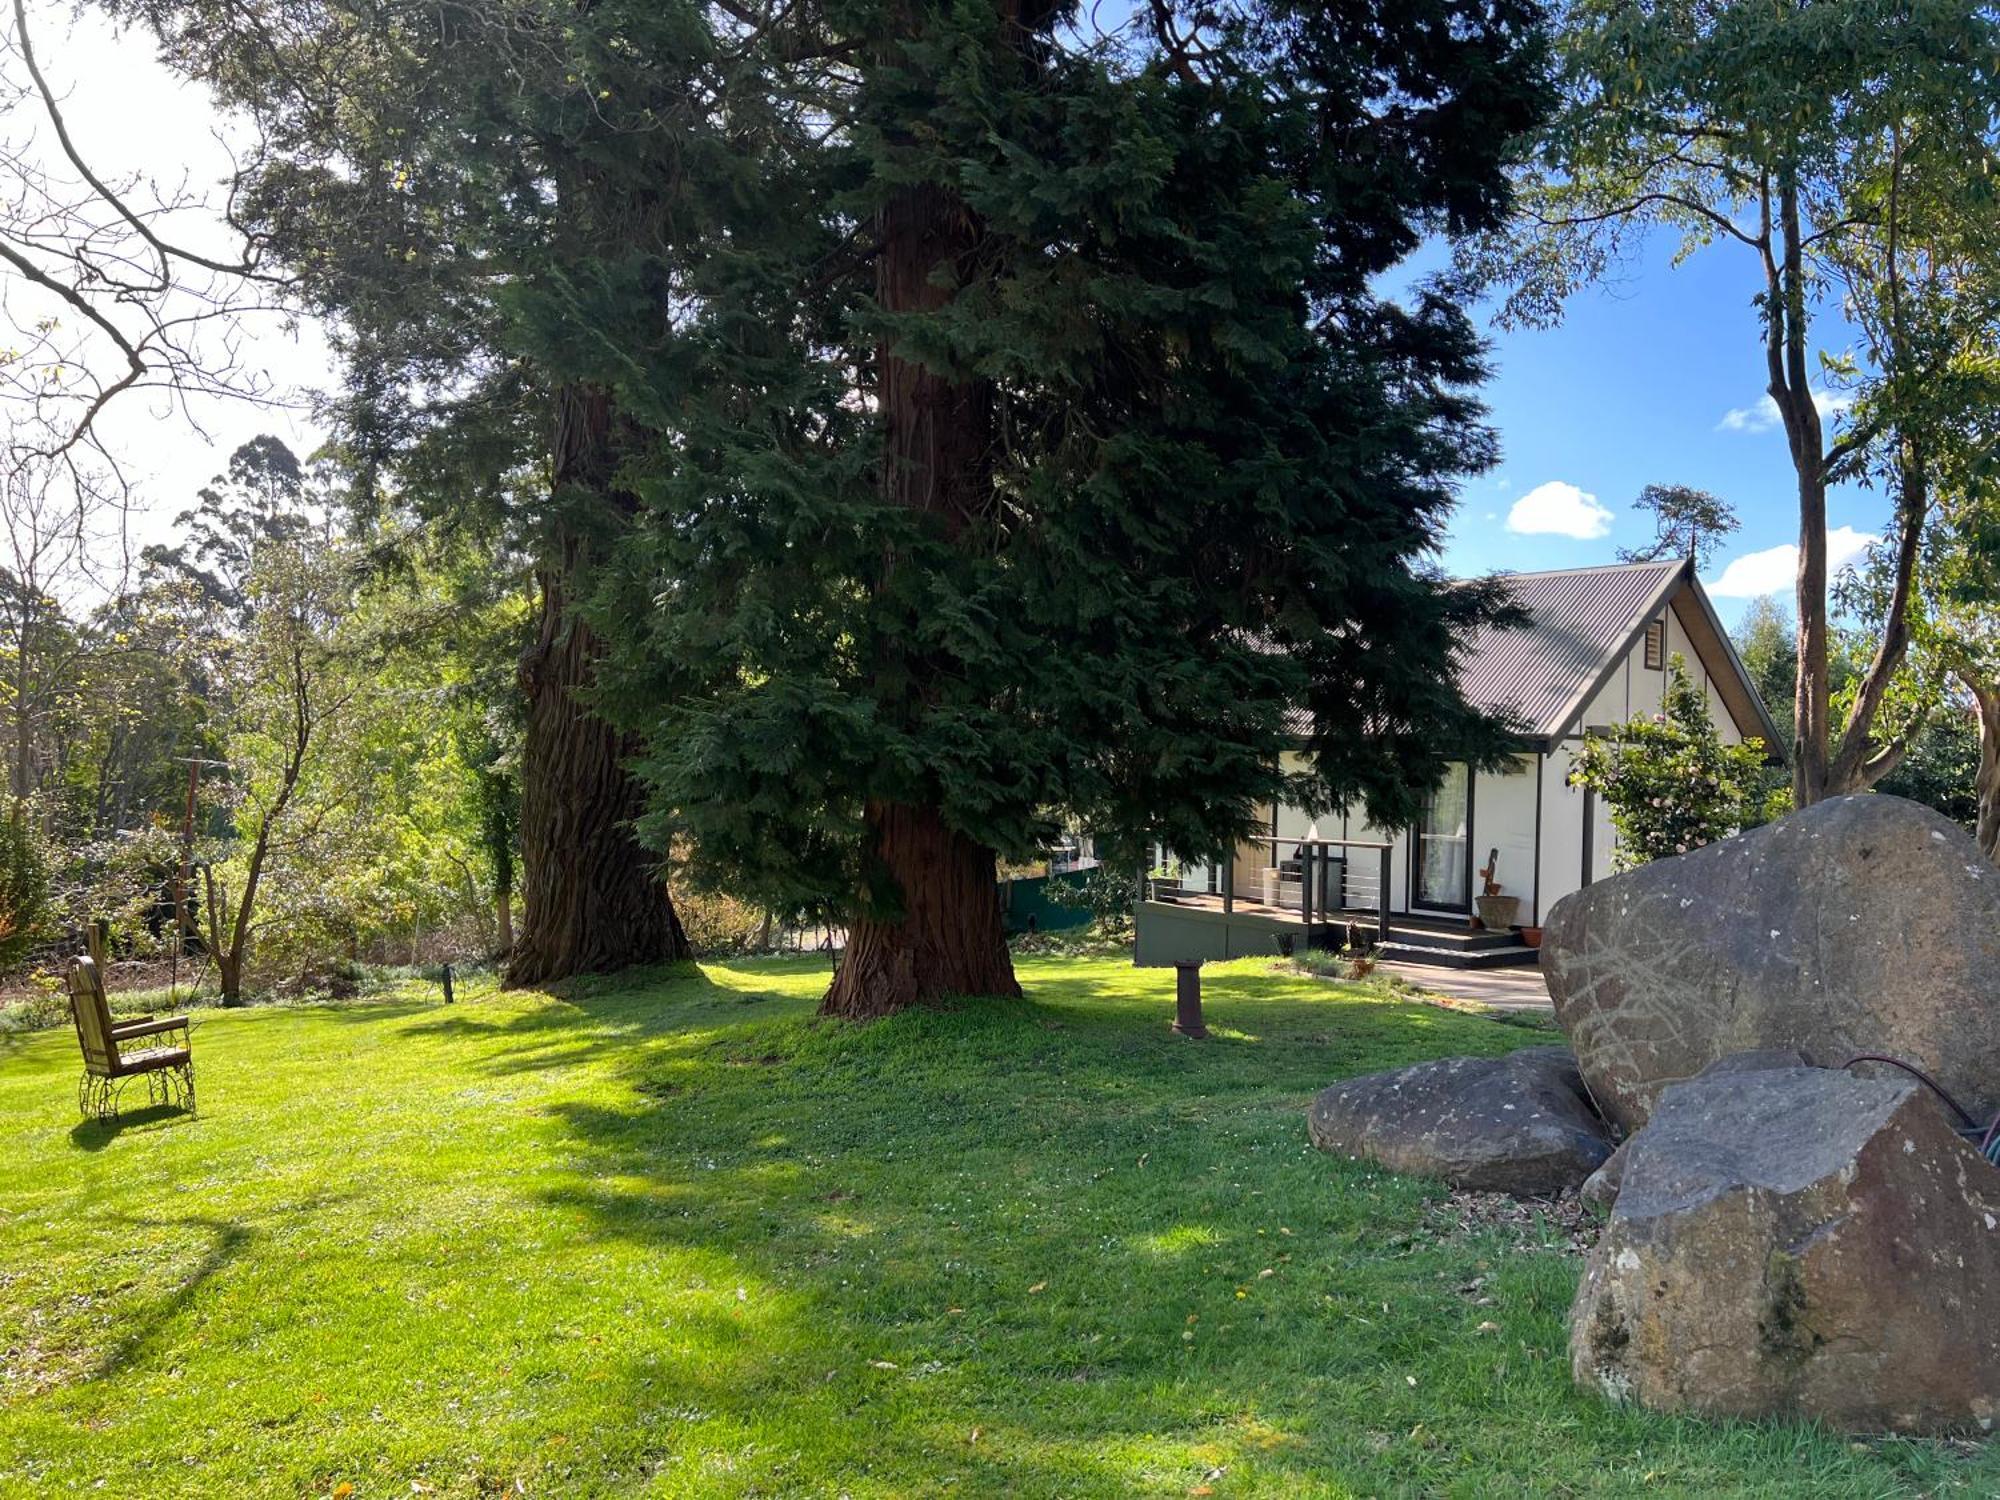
point(1637, 387)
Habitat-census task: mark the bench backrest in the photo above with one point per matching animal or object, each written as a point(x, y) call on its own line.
point(92, 1014)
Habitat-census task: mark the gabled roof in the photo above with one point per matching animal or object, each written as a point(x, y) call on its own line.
point(1582, 622)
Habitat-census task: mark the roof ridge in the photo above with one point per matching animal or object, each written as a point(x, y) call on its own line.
point(1625, 567)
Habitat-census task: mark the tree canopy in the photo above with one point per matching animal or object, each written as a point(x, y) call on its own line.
point(1844, 151)
point(934, 420)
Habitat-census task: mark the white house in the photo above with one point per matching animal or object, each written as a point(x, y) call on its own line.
point(1594, 653)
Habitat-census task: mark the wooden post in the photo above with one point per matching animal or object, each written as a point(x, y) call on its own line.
point(1307, 852)
point(446, 976)
point(1229, 881)
point(1187, 1001)
point(1382, 900)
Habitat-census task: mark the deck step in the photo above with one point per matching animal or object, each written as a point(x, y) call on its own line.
point(1509, 956)
point(1451, 940)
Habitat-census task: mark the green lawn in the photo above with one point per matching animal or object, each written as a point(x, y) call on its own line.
point(670, 1236)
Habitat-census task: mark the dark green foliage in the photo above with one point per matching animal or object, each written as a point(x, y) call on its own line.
point(1214, 460)
point(1942, 765)
point(1668, 780)
point(1218, 459)
point(1107, 893)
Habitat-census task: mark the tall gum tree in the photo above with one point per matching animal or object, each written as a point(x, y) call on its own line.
point(1842, 148)
point(1075, 466)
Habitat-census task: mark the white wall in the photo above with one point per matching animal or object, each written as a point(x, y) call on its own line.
point(1364, 865)
point(1503, 819)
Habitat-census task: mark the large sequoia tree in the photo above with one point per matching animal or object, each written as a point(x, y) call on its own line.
point(1087, 460)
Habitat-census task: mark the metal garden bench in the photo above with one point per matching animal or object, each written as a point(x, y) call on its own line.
point(110, 1058)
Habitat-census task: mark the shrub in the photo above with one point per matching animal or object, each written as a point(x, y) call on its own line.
point(1105, 893)
point(1670, 783)
point(717, 924)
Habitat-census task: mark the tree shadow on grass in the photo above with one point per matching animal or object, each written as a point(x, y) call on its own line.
point(227, 1240)
point(1007, 1217)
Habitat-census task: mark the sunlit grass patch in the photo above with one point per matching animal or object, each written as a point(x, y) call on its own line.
point(669, 1234)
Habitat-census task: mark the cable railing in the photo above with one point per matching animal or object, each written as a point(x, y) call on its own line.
point(1321, 879)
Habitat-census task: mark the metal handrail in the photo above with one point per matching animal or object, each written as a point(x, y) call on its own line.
point(1312, 877)
point(1275, 838)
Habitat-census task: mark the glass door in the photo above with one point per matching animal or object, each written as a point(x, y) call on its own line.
point(1443, 870)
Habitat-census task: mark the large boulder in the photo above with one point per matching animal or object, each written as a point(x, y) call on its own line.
point(1514, 1124)
point(1862, 924)
point(1600, 1189)
point(1799, 1242)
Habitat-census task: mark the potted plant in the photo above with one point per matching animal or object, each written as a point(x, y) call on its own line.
point(1497, 912)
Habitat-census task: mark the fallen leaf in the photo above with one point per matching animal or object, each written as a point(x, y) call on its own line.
point(342, 1490)
point(1040, 1286)
point(1489, 1326)
point(883, 1364)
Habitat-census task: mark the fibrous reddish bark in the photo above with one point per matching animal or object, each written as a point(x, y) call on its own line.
point(938, 459)
point(947, 940)
point(592, 899)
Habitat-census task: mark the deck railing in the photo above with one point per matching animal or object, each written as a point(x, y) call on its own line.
point(1316, 863)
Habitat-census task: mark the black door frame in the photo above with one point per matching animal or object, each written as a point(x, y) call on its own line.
point(1417, 851)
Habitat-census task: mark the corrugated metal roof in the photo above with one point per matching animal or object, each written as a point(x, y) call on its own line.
point(1579, 620)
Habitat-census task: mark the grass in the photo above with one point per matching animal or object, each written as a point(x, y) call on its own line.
point(668, 1236)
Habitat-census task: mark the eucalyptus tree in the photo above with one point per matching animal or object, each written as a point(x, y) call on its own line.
point(1844, 150)
point(1687, 522)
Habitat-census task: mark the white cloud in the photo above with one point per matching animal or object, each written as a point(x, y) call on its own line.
point(1559, 509)
point(1775, 570)
point(1764, 415)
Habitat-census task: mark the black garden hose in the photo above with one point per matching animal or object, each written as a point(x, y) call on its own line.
point(1988, 1137)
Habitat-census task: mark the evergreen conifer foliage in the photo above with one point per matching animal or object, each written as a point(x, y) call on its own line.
point(991, 421)
point(1098, 473)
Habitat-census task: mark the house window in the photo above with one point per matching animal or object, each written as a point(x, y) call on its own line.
point(1656, 645)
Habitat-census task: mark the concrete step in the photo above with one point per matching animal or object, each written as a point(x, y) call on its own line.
point(1509, 956)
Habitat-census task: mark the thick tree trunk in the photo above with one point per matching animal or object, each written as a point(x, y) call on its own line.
point(946, 941)
point(592, 899)
point(503, 916)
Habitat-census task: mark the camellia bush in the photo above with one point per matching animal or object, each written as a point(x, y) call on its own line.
point(1669, 781)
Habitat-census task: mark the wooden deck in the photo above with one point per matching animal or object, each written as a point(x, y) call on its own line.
point(1197, 926)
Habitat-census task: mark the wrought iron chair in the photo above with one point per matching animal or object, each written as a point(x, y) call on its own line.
point(108, 1065)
